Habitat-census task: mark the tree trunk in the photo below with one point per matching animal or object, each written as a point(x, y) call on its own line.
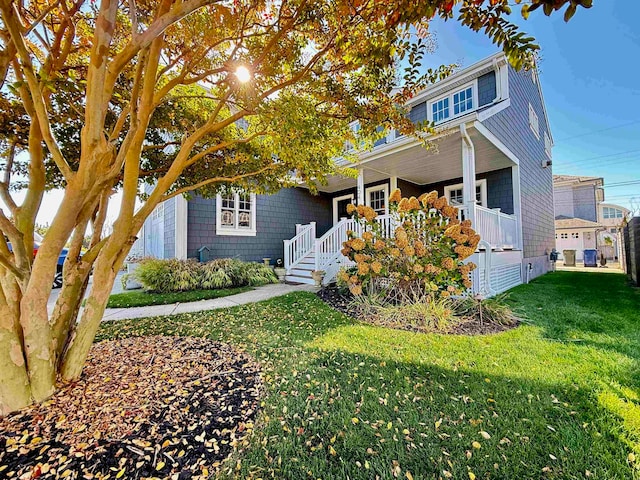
point(15, 390)
point(82, 338)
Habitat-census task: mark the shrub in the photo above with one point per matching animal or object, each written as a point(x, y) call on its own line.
point(417, 312)
point(425, 252)
point(490, 311)
point(163, 276)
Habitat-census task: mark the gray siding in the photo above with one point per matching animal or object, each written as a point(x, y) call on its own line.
point(563, 201)
point(170, 228)
point(584, 202)
point(511, 126)
point(418, 112)
point(276, 218)
point(499, 188)
point(486, 88)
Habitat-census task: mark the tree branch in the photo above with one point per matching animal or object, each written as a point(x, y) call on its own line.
point(209, 181)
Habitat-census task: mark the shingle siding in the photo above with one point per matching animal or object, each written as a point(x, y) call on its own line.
point(276, 218)
point(486, 88)
point(584, 202)
point(563, 201)
point(511, 126)
point(499, 188)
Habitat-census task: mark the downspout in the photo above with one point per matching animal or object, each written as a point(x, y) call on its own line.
point(468, 167)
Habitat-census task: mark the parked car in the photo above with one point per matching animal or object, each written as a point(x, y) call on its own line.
point(57, 280)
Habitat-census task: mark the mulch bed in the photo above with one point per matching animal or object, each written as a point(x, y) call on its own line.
point(167, 407)
point(340, 300)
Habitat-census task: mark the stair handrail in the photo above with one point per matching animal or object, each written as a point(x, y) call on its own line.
point(333, 238)
point(299, 246)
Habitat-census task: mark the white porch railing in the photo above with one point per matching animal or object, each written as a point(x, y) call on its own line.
point(498, 229)
point(299, 246)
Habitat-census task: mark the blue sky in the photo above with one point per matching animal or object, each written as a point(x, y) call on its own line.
point(590, 74)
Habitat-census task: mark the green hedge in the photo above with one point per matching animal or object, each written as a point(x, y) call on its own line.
point(163, 276)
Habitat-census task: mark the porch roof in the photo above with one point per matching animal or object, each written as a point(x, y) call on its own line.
point(407, 159)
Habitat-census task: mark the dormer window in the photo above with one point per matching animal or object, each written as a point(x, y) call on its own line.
point(463, 101)
point(454, 104)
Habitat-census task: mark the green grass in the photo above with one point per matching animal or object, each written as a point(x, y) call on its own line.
point(557, 398)
point(140, 298)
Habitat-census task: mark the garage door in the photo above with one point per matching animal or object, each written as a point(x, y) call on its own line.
point(570, 241)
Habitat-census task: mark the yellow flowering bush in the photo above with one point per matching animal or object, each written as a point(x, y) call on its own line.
point(424, 249)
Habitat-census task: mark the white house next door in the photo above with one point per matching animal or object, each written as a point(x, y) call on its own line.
point(154, 233)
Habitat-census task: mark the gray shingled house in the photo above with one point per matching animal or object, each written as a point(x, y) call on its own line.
point(493, 160)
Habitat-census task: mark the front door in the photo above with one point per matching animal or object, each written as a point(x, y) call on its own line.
point(340, 207)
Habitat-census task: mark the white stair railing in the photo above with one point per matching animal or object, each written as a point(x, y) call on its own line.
point(299, 246)
point(328, 247)
point(495, 227)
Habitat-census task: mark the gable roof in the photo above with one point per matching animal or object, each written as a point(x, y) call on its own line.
point(577, 179)
point(564, 223)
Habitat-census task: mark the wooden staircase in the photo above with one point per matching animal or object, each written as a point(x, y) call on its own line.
point(301, 272)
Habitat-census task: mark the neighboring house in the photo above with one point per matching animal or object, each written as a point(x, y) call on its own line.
point(491, 158)
point(583, 221)
point(612, 218)
point(576, 200)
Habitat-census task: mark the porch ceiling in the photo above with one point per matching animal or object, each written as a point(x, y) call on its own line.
point(412, 162)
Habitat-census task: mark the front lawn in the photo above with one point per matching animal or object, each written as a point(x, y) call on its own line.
point(141, 298)
point(557, 397)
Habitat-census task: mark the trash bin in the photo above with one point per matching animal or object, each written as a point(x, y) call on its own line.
point(590, 258)
point(569, 258)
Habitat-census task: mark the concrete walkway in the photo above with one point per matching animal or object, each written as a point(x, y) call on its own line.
point(258, 294)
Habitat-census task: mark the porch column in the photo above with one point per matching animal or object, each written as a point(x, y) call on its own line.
point(468, 174)
point(393, 184)
point(360, 189)
point(517, 209)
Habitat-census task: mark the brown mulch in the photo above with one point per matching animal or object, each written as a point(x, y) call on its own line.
point(167, 407)
point(340, 300)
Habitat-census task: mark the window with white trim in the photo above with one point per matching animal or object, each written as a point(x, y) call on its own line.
point(534, 124)
point(158, 212)
point(455, 193)
point(575, 235)
point(564, 236)
point(547, 144)
point(376, 198)
point(610, 212)
point(236, 214)
point(355, 128)
point(462, 101)
point(454, 104)
point(440, 110)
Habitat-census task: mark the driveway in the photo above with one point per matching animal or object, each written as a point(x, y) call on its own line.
point(117, 288)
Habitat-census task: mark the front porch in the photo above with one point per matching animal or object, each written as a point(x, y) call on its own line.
point(467, 165)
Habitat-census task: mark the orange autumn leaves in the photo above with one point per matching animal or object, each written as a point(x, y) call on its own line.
point(427, 247)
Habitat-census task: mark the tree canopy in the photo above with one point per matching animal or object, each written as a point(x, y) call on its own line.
point(105, 95)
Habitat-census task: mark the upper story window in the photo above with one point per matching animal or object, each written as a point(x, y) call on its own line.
point(610, 212)
point(533, 122)
point(440, 110)
point(547, 144)
point(158, 212)
point(355, 128)
point(462, 101)
point(456, 103)
point(236, 214)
